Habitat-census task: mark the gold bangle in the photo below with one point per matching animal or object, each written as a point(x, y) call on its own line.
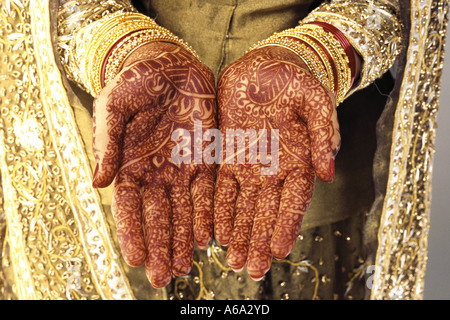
point(330, 51)
point(132, 42)
point(112, 29)
point(338, 54)
point(320, 53)
point(305, 53)
point(120, 53)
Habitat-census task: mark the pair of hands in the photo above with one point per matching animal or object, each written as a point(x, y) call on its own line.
point(161, 207)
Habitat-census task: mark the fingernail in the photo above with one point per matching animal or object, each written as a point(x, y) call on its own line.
point(331, 169)
point(237, 270)
point(204, 244)
point(257, 278)
point(94, 179)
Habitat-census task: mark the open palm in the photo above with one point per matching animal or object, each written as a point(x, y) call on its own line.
point(159, 206)
point(260, 200)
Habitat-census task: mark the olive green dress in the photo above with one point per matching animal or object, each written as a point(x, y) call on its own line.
point(328, 261)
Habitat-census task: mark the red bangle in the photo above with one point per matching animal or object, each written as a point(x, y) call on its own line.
point(103, 69)
point(346, 45)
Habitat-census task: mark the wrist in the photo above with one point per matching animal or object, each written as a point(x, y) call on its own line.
point(325, 50)
point(114, 39)
point(146, 51)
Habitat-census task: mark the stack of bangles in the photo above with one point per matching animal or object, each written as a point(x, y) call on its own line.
point(324, 49)
point(116, 38)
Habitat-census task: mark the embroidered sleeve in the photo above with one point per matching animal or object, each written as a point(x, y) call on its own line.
point(78, 22)
point(373, 28)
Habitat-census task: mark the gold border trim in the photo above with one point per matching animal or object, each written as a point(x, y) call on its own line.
point(402, 239)
point(80, 194)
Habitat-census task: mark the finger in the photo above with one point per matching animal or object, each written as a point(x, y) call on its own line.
point(323, 128)
point(183, 238)
point(242, 228)
point(295, 199)
point(202, 191)
point(225, 196)
point(113, 107)
point(156, 216)
point(260, 255)
point(126, 211)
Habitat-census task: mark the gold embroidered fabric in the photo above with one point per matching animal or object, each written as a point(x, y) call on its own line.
point(78, 23)
point(57, 242)
point(405, 221)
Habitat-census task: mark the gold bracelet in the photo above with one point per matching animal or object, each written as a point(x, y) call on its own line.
point(120, 53)
point(112, 29)
point(335, 50)
point(305, 53)
point(325, 46)
point(319, 52)
point(131, 43)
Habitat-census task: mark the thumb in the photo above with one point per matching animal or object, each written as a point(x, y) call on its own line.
point(108, 133)
point(323, 128)
point(118, 102)
point(112, 110)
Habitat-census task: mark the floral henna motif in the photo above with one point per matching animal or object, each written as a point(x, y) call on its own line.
point(157, 202)
point(259, 215)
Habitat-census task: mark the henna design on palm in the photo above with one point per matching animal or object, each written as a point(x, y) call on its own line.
point(259, 216)
point(159, 207)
